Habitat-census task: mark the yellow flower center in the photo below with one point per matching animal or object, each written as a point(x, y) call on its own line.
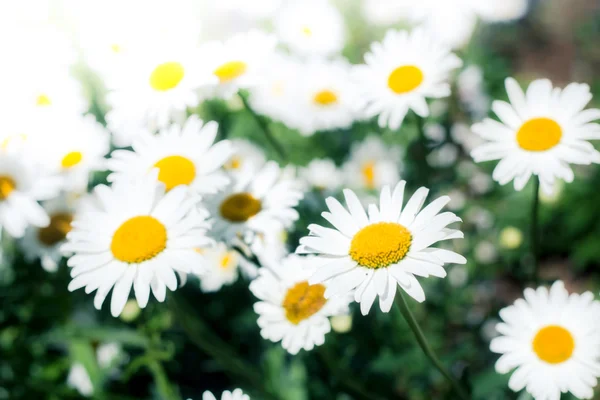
point(539, 134)
point(240, 207)
point(307, 31)
point(234, 163)
point(302, 301)
point(115, 48)
point(71, 159)
point(60, 225)
point(368, 173)
point(381, 244)
point(166, 76)
point(227, 259)
point(139, 239)
point(325, 98)
point(43, 100)
point(553, 344)
point(7, 185)
point(175, 170)
point(405, 79)
point(230, 70)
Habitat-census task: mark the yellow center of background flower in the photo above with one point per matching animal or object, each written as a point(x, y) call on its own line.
point(381, 244)
point(539, 134)
point(553, 344)
point(240, 207)
point(368, 173)
point(115, 48)
point(166, 76)
point(234, 162)
point(302, 301)
point(175, 170)
point(405, 79)
point(227, 259)
point(307, 31)
point(139, 239)
point(230, 70)
point(56, 231)
point(71, 159)
point(43, 100)
point(7, 185)
point(325, 98)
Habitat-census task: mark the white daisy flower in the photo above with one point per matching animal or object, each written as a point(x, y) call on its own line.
point(255, 203)
point(322, 174)
point(79, 379)
point(291, 310)
point(311, 27)
point(540, 133)
point(401, 72)
point(221, 268)
point(370, 255)
point(184, 155)
point(552, 342)
point(247, 158)
point(372, 164)
point(135, 235)
point(237, 394)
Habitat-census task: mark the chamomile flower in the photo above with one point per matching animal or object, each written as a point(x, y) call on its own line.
point(263, 202)
point(369, 255)
point(184, 155)
point(135, 235)
point(372, 164)
point(237, 394)
point(401, 72)
point(551, 342)
point(221, 268)
point(312, 27)
point(322, 174)
point(291, 310)
point(540, 133)
point(247, 158)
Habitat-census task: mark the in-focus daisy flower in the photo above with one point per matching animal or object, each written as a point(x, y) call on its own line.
point(263, 202)
point(540, 133)
point(135, 234)
point(401, 72)
point(372, 164)
point(312, 27)
point(371, 254)
point(247, 158)
point(291, 310)
point(322, 174)
point(551, 339)
point(221, 268)
point(237, 394)
point(184, 155)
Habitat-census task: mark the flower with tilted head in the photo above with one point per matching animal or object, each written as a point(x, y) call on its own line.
point(541, 132)
point(371, 254)
point(400, 73)
point(322, 174)
point(551, 339)
point(247, 158)
point(184, 155)
point(221, 268)
point(291, 310)
point(237, 394)
point(135, 234)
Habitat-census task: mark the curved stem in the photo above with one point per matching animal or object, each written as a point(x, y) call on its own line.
point(416, 329)
point(163, 386)
point(535, 236)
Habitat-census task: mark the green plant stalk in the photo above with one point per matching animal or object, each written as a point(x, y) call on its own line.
point(416, 329)
point(535, 234)
point(167, 392)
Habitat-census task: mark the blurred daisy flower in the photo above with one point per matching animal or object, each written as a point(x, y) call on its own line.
point(400, 73)
point(291, 310)
point(79, 379)
point(552, 342)
point(322, 174)
point(540, 133)
point(370, 254)
point(247, 158)
point(135, 235)
point(221, 268)
point(237, 394)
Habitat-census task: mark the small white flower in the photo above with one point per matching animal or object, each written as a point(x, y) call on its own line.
point(237, 394)
point(221, 268)
point(322, 174)
point(247, 158)
point(79, 379)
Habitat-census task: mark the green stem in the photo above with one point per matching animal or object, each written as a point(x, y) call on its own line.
point(535, 235)
point(414, 326)
point(167, 392)
point(424, 170)
point(264, 126)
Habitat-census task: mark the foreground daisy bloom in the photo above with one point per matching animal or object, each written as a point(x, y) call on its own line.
point(552, 342)
point(221, 268)
point(401, 72)
point(369, 255)
point(237, 394)
point(540, 133)
point(291, 310)
point(184, 155)
point(135, 235)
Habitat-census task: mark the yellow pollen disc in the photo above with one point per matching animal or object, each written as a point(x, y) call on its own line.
point(115, 48)
point(240, 207)
point(71, 159)
point(230, 70)
point(175, 170)
point(368, 173)
point(405, 79)
point(539, 134)
point(139, 239)
point(166, 76)
point(302, 301)
point(553, 344)
point(7, 185)
point(60, 225)
point(234, 163)
point(325, 98)
point(381, 244)
point(226, 260)
point(307, 31)
point(43, 100)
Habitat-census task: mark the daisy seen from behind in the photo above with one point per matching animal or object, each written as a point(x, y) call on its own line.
point(370, 253)
point(236, 394)
point(400, 73)
point(550, 339)
point(290, 309)
point(540, 133)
